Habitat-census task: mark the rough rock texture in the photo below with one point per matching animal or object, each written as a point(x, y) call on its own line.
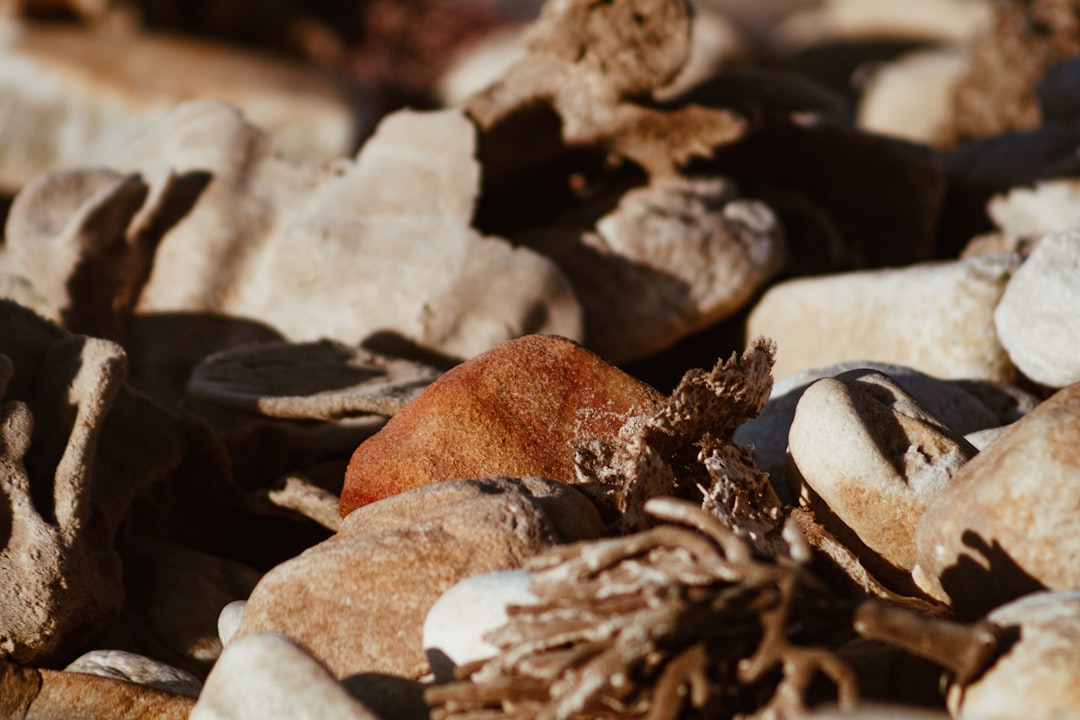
point(75, 99)
point(137, 669)
point(1036, 677)
point(872, 460)
point(514, 410)
point(1006, 524)
point(934, 317)
point(76, 447)
point(963, 406)
point(1038, 319)
point(269, 676)
point(386, 236)
point(671, 259)
point(358, 600)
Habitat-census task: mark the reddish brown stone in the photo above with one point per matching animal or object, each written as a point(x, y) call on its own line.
point(512, 411)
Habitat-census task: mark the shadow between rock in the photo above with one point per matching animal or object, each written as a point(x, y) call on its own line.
point(985, 579)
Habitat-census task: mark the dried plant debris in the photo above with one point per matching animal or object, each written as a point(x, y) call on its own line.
point(595, 65)
point(672, 622)
point(684, 446)
point(308, 381)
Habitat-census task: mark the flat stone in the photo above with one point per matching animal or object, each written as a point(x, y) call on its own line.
point(1038, 319)
point(1006, 524)
point(513, 411)
point(137, 669)
point(358, 600)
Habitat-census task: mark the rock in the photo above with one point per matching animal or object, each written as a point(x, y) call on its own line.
point(358, 600)
point(1037, 318)
point(71, 102)
point(512, 411)
point(229, 620)
point(1035, 677)
point(77, 448)
point(871, 461)
point(456, 624)
point(1004, 525)
point(269, 676)
point(137, 669)
point(671, 259)
point(1028, 213)
point(911, 97)
point(964, 406)
point(934, 317)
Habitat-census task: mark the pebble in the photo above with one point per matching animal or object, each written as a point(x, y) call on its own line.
point(138, 669)
point(455, 626)
point(1038, 318)
point(1035, 677)
point(934, 317)
point(872, 460)
point(358, 600)
point(229, 620)
point(514, 411)
point(1006, 524)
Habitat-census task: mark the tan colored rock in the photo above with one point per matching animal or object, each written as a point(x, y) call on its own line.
point(137, 669)
point(515, 410)
point(269, 676)
point(1038, 319)
point(911, 97)
point(872, 460)
point(77, 447)
point(1007, 522)
point(933, 317)
point(358, 600)
point(1035, 678)
point(671, 259)
point(77, 99)
point(341, 251)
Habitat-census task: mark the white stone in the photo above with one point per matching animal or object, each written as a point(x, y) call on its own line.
point(229, 620)
point(137, 669)
point(1031, 212)
point(1038, 318)
point(456, 625)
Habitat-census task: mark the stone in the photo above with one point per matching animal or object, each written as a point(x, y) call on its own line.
point(1038, 319)
point(515, 410)
point(672, 258)
point(358, 600)
point(229, 620)
point(455, 626)
point(72, 103)
point(1006, 524)
point(1029, 213)
point(269, 676)
point(933, 317)
point(78, 447)
point(137, 669)
point(1035, 677)
point(871, 460)
point(964, 406)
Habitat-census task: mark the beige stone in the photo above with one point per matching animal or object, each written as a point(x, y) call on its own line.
point(358, 600)
point(933, 317)
point(872, 460)
point(1038, 318)
point(1007, 523)
point(269, 676)
point(76, 99)
point(1028, 213)
point(1035, 677)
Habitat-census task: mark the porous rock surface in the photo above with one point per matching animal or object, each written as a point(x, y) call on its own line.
point(358, 601)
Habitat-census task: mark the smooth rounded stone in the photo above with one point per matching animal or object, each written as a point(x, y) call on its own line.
point(70, 102)
point(137, 669)
point(269, 676)
point(358, 600)
point(911, 97)
point(514, 410)
point(934, 317)
point(871, 460)
point(981, 439)
point(1036, 677)
point(1008, 522)
point(456, 624)
point(1038, 318)
point(229, 620)
point(965, 407)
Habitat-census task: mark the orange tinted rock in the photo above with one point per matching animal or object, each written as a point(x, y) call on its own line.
point(514, 411)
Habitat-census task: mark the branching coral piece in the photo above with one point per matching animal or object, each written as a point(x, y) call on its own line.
point(590, 62)
point(667, 623)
